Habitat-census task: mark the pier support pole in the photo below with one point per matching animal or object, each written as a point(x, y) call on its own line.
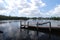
point(25, 23)
point(50, 27)
point(50, 30)
point(37, 31)
point(28, 26)
point(37, 28)
point(28, 36)
point(20, 30)
point(20, 23)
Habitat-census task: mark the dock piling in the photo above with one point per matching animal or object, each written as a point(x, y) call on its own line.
point(20, 23)
point(28, 30)
point(37, 31)
point(37, 28)
point(50, 30)
point(49, 27)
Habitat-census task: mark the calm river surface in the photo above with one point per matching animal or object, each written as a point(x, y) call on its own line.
point(11, 30)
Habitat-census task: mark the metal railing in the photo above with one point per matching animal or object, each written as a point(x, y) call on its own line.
point(43, 24)
point(38, 26)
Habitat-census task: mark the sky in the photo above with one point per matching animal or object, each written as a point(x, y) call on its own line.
point(30, 8)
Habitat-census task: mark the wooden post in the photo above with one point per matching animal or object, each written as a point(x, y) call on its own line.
point(28, 24)
point(27, 27)
point(20, 23)
point(27, 30)
point(24, 23)
point(37, 28)
point(20, 29)
point(37, 31)
point(50, 27)
point(50, 30)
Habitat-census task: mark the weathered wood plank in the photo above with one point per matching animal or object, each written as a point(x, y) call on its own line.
point(54, 30)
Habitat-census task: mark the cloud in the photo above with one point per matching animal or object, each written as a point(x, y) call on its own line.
point(54, 12)
point(32, 8)
point(2, 5)
point(26, 8)
point(21, 7)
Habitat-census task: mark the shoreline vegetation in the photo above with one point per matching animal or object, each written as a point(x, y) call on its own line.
point(2, 17)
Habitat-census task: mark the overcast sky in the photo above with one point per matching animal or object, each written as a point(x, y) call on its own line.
point(30, 8)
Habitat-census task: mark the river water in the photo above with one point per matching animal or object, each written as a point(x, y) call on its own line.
point(11, 30)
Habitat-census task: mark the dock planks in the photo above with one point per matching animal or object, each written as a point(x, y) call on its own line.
point(54, 30)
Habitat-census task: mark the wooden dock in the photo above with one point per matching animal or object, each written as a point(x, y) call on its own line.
point(54, 30)
point(51, 30)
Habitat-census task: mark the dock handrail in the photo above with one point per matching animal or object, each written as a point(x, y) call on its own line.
point(45, 23)
point(38, 26)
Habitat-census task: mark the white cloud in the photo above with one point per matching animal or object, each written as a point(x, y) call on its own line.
point(22, 7)
point(54, 12)
point(26, 8)
point(31, 9)
point(1, 1)
point(2, 5)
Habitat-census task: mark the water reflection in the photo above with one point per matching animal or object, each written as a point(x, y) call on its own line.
point(31, 35)
point(12, 31)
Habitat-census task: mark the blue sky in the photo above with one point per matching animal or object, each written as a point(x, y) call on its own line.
point(30, 8)
point(50, 4)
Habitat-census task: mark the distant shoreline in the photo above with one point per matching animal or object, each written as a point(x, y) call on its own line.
point(2, 17)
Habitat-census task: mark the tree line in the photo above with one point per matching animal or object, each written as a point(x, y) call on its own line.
point(2, 17)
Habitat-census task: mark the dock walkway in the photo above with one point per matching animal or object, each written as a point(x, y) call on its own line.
point(52, 30)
